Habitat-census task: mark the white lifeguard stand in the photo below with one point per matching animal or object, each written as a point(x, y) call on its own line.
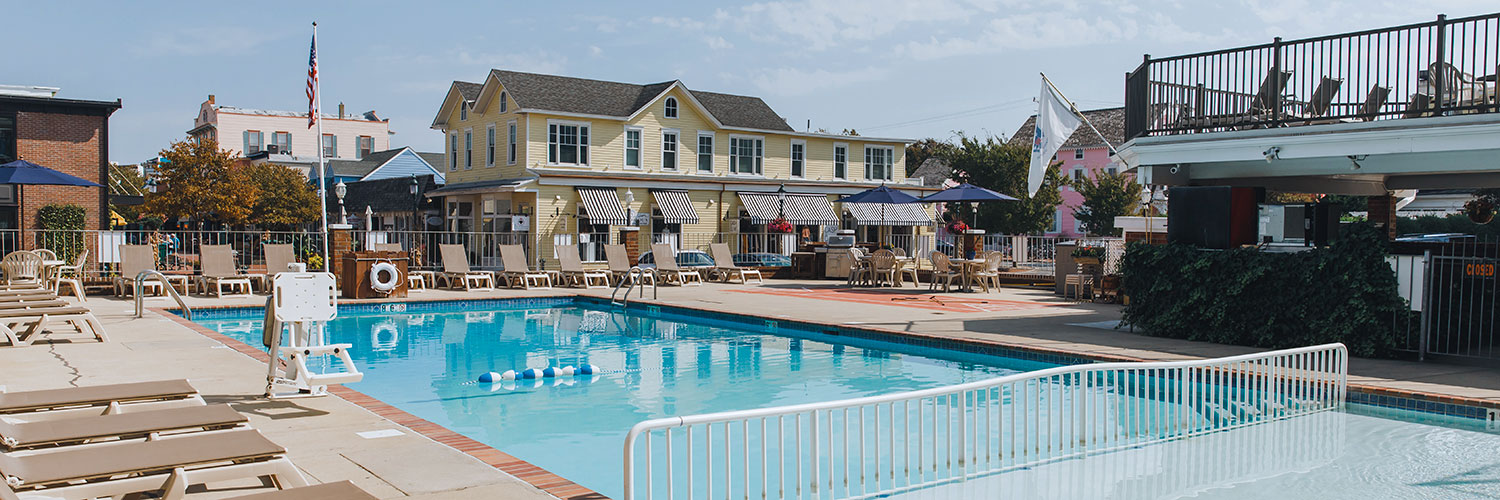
point(306, 301)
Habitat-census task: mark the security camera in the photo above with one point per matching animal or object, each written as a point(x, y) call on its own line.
point(1175, 169)
point(1273, 153)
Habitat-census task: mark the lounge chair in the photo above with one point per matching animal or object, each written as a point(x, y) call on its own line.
point(1321, 101)
point(1419, 106)
point(169, 464)
point(279, 258)
point(16, 436)
point(725, 268)
point(573, 272)
point(513, 257)
point(137, 258)
point(35, 319)
point(342, 490)
point(456, 267)
point(665, 258)
point(219, 272)
point(619, 264)
point(1263, 103)
point(111, 396)
point(1373, 102)
point(22, 267)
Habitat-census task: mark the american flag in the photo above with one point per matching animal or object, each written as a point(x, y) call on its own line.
point(312, 82)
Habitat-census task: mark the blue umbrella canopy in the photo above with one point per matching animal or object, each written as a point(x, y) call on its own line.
point(966, 193)
point(25, 172)
point(881, 194)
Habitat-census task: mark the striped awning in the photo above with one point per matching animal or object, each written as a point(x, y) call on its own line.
point(895, 214)
point(603, 206)
point(800, 208)
point(675, 206)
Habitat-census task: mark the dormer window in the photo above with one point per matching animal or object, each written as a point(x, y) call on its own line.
point(503, 104)
point(670, 108)
point(463, 110)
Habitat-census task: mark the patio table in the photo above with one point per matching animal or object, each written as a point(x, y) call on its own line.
point(966, 269)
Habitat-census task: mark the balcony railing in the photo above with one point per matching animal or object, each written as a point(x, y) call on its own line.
point(1438, 68)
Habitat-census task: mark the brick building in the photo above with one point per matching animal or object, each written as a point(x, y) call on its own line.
point(68, 135)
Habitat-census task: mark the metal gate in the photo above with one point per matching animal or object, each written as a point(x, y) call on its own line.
point(1455, 299)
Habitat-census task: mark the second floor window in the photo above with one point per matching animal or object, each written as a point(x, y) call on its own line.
point(841, 161)
point(799, 159)
point(633, 148)
point(463, 110)
point(568, 144)
point(669, 108)
point(468, 150)
point(282, 142)
point(453, 152)
point(504, 104)
point(669, 150)
point(330, 146)
point(489, 146)
point(1078, 154)
point(705, 152)
point(746, 155)
point(510, 148)
point(366, 146)
point(878, 162)
point(252, 141)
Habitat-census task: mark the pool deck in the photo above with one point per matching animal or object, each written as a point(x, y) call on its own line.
point(426, 461)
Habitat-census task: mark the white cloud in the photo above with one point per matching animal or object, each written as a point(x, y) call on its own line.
point(717, 43)
point(824, 24)
point(684, 23)
point(204, 41)
point(797, 81)
point(1025, 31)
point(595, 51)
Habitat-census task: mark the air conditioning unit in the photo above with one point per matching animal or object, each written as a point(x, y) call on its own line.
point(273, 149)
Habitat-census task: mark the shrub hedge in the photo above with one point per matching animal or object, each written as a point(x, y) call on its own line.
point(1343, 293)
point(60, 224)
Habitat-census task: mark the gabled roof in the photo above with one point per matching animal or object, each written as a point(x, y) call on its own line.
point(374, 161)
point(458, 92)
point(1109, 121)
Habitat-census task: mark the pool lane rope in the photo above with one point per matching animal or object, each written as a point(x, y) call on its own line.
point(534, 373)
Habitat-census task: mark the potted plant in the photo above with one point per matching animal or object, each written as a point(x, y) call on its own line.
point(957, 227)
point(780, 225)
point(1088, 254)
point(1480, 210)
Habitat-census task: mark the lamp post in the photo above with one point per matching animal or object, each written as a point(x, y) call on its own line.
point(416, 202)
point(340, 190)
point(781, 198)
point(1146, 194)
point(369, 218)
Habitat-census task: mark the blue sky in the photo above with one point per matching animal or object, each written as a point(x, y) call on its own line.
point(889, 68)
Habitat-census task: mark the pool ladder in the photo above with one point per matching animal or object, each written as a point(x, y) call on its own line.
point(636, 275)
point(140, 281)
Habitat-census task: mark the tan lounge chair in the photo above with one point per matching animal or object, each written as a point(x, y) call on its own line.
point(513, 257)
point(133, 260)
point(619, 264)
point(456, 267)
point(35, 320)
point(279, 256)
point(342, 490)
point(97, 397)
point(573, 272)
point(169, 464)
point(23, 435)
point(668, 268)
point(219, 272)
point(725, 268)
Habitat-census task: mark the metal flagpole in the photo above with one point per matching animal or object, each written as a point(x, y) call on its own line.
point(322, 169)
point(1074, 109)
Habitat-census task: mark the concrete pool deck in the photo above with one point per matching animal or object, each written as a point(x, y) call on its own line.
point(323, 434)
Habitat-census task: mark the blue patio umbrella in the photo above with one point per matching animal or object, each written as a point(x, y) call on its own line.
point(25, 172)
point(882, 195)
point(966, 193)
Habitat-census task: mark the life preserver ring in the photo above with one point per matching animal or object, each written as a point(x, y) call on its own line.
point(390, 272)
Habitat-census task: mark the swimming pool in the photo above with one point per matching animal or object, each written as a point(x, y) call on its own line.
point(424, 357)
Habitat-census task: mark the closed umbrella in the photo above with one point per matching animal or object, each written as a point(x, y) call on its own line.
point(882, 195)
point(22, 172)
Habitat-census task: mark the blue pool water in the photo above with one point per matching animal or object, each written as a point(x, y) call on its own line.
point(426, 358)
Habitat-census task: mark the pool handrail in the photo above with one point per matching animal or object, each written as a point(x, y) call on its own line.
point(635, 275)
point(1311, 379)
point(140, 281)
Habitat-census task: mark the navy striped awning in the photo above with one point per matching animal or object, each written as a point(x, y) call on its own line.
point(895, 214)
point(800, 208)
point(603, 206)
point(675, 206)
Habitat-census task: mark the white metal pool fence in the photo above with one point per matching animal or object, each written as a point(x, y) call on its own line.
point(893, 443)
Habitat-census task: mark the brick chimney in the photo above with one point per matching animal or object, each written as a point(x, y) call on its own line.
point(341, 111)
point(210, 99)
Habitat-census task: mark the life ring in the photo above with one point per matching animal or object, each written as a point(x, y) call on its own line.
point(392, 274)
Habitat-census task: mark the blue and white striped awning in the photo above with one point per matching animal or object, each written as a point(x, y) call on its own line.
point(893, 214)
point(800, 208)
point(602, 205)
point(675, 206)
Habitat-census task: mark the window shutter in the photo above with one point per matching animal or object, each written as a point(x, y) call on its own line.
point(245, 142)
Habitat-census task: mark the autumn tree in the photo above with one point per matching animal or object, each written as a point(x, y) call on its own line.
point(918, 152)
point(1106, 196)
point(196, 179)
point(285, 198)
point(1003, 168)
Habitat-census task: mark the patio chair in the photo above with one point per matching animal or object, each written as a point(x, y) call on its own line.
point(169, 464)
point(665, 258)
point(1085, 278)
point(726, 269)
point(71, 275)
point(133, 260)
point(1321, 101)
point(990, 275)
point(1419, 106)
point(22, 267)
point(1375, 100)
point(573, 272)
point(942, 270)
point(513, 257)
point(456, 267)
point(98, 398)
point(341, 490)
point(905, 267)
point(859, 268)
point(219, 272)
point(619, 264)
point(882, 267)
point(279, 258)
point(15, 436)
point(1459, 88)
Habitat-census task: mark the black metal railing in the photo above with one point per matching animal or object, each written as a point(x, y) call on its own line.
point(1438, 68)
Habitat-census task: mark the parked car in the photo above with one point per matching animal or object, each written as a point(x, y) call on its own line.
point(762, 259)
point(685, 259)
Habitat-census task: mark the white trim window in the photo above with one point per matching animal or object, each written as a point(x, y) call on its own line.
point(705, 152)
point(1056, 222)
point(282, 141)
point(364, 145)
point(468, 148)
point(1110, 171)
point(841, 160)
point(879, 161)
point(799, 158)
point(489, 146)
point(510, 145)
point(504, 104)
point(567, 143)
point(746, 155)
point(1078, 154)
point(453, 151)
point(669, 147)
point(463, 110)
point(633, 147)
point(669, 107)
point(330, 146)
point(253, 142)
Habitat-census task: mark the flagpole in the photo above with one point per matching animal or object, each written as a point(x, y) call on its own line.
point(1074, 109)
point(322, 168)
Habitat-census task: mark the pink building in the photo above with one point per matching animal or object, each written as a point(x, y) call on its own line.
point(250, 131)
point(1083, 155)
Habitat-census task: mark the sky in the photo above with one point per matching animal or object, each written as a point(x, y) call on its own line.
point(886, 68)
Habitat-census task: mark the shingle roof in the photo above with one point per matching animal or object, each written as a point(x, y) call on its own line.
point(382, 195)
point(434, 159)
point(933, 172)
point(598, 97)
point(469, 91)
point(1109, 121)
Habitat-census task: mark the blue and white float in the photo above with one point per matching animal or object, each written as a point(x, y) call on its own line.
point(534, 373)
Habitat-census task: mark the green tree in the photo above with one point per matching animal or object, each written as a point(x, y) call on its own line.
point(918, 152)
point(1003, 167)
point(285, 198)
point(201, 181)
point(1105, 197)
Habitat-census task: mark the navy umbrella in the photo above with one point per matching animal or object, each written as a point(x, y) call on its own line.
point(966, 193)
point(25, 172)
point(882, 195)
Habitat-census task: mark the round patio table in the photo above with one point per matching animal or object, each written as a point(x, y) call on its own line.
point(966, 269)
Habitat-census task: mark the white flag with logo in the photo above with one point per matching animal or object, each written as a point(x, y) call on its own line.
point(1055, 122)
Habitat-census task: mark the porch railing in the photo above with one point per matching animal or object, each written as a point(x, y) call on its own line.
point(881, 445)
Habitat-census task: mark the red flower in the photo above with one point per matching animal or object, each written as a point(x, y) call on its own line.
point(780, 225)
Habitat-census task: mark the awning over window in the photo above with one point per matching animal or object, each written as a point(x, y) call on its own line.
point(895, 214)
point(675, 206)
point(800, 208)
point(603, 206)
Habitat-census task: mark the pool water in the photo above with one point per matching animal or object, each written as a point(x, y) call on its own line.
point(426, 360)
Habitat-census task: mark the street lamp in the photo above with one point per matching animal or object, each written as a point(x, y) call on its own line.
point(340, 190)
point(781, 198)
point(416, 202)
point(630, 205)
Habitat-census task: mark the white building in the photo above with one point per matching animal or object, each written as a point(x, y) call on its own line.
point(250, 131)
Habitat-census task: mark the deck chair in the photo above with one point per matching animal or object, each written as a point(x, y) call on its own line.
point(1459, 88)
point(98, 399)
point(1321, 101)
point(513, 257)
point(342, 490)
point(219, 272)
point(35, 320)
point(279, 258)
point(942, 270)
point(666, 264)
point(725, 268)
point(15, 436)
point(1419, 106)
point(1373, 102)
point(573, 272)
point(169, 464)
point(22, 267)
point(619, 265)
point(133, 260)
point(456, 267)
